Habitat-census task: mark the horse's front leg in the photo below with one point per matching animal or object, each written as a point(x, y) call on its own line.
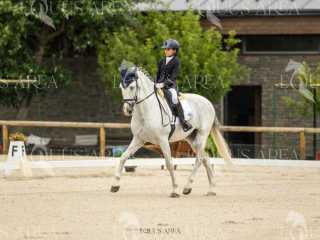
point(165, 148)
point(135, 144)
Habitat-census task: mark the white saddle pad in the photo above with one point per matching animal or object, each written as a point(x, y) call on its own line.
point(186, 109)
point(185, 106)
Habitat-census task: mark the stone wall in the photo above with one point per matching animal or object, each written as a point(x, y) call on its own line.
point(266, 71)
point(86, 100)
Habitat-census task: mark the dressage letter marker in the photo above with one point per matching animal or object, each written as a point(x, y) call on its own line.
point(17, 159)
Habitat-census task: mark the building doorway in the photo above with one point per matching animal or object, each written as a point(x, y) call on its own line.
point(242, 107)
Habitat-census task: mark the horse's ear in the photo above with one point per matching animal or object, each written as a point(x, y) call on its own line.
point(135, 70)
point(128, 76)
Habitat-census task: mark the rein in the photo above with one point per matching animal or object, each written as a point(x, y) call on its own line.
point(161, 109)
point(133, 101)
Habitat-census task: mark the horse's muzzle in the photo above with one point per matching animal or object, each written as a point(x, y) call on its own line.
point(127, 109)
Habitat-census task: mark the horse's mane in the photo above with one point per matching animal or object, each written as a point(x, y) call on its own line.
point(146, 73)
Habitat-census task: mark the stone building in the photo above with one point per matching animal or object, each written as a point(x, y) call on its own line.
point(273, 33)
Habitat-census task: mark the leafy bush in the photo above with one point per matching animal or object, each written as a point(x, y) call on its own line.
point(209, 61)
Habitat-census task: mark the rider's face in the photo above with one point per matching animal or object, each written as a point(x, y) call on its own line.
point(169, 52)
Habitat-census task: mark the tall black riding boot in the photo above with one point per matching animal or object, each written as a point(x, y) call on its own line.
point(186, 126)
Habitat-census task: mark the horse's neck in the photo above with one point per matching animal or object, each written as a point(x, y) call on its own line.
point(147, 88)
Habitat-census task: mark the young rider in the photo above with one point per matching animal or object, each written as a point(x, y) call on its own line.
point(168, 71)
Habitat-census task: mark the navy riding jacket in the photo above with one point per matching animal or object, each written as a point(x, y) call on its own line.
point(168, 73)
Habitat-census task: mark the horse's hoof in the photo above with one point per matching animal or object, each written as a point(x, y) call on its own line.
point(114, 188)
point(174, 195)
point(187, 191)
point(211, 194)
point(130, 169)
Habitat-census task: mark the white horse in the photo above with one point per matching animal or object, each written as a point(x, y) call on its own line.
point(141, 102)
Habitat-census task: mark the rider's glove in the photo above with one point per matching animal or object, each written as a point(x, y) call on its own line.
point(159, 85)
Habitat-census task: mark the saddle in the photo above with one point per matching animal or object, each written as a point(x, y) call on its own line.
point(184, 103)
point(160, 93)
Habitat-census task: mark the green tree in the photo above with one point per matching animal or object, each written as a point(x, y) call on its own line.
point(30, 31)
point(209, 61)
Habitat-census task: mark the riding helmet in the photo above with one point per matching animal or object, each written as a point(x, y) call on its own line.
point(171, 43)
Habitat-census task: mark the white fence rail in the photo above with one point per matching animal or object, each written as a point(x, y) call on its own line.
point(157, 162)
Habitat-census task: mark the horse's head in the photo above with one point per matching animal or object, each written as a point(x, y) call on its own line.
point(129, 88)
point(136, 85)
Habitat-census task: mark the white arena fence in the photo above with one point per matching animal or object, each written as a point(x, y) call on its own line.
point(103, 161)
point(158, 162)
point(101, 130)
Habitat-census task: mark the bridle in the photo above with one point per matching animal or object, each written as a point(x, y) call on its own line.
point(134, 101)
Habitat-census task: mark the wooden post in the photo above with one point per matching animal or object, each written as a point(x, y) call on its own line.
point(302, 146)
point(5, 139)
point(102, 141)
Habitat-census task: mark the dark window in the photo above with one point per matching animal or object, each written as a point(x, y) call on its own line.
point(282, 43)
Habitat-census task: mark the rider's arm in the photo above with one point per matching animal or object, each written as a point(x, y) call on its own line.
point(159, 71)
point(160, 78)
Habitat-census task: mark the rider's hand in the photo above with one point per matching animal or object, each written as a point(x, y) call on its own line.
point(159, 85)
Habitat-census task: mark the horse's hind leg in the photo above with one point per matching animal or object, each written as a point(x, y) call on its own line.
point(198, 144)
point(133, 147)
point(165, 148)
point(207, 165)
point(188, 187)
point(195, 145)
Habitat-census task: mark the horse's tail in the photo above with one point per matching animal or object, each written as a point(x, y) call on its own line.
point(221, 144)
